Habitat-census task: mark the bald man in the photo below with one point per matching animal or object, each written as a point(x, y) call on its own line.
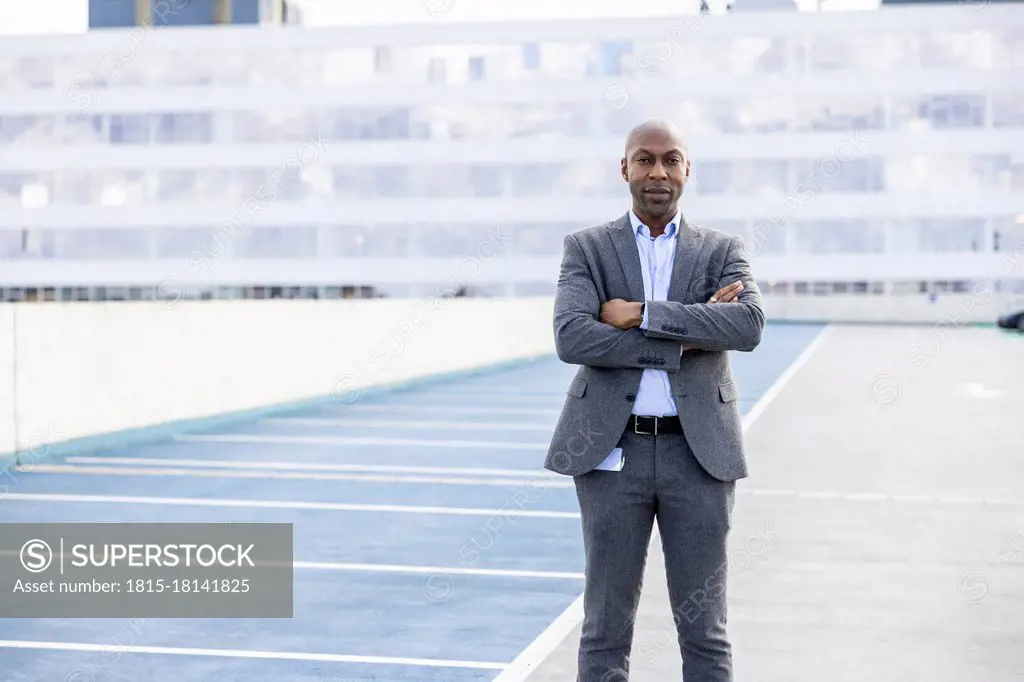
point(647, 305)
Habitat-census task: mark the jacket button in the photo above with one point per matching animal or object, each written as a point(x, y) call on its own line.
point(683, 331)
point(630, 397)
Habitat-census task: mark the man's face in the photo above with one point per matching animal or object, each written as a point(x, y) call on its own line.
point(656, 169)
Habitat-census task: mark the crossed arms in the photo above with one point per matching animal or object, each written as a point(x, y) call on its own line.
point(582, 338)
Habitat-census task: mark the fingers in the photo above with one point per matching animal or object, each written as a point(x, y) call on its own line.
point(727, 294)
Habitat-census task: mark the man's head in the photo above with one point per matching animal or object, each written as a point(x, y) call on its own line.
point(656, 167)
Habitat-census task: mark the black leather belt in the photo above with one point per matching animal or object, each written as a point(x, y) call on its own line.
point(653, 426)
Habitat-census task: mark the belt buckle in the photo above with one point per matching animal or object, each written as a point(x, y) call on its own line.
point(636, 427)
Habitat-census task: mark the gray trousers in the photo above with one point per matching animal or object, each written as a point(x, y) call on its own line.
point(660, 479)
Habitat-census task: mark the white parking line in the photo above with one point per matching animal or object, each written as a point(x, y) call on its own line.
point(545, 643)
point(406, 424)
point(127, 466)
point(265, 475)
point(776, 388)
point(551, 399)
point(439, 409)
point(496, 393)
point(877, 497)
point(288, 504)
point(436, 570)
point(248, 653)
point(355, 440)
point(307, 466)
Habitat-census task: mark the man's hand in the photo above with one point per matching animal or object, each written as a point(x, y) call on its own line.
point(622, 314)
point(727, 294)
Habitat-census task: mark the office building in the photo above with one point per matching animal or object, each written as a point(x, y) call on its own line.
point(127, 13)
point(864, 152)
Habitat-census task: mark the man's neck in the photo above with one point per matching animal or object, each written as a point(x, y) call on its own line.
point(656, 224)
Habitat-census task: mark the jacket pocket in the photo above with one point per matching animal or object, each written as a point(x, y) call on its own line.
point(577, 388)
point(728, 391)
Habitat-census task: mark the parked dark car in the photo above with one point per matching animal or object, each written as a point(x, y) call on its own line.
point(1013, 321)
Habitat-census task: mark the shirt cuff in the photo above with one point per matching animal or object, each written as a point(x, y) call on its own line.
point(643, 325)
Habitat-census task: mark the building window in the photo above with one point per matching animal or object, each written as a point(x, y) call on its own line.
point(10, 244)
point(186, 128)
point(941, 173)
point(948, 50)
point(742, 177)
point(382, 60)
point(130, 129)
point(1008, 173)
point(712, 177)
point(26, 129)
point(277, 242)
point(27, 73)
point(815, 114)
point(82, 130)
point(939, 112)
point(836, 174)
point(371, 241)
point(838, 236)
point(476, 69)
point(1008, 110)
point(859, 53)
point(531, 57)
point(539, 239)
point(487, 180)
point(767, 235)
point(113, 187)
point(103, 244)
point(1008, 233)
point(483, 240)
point(437, 71)
point(536, 179)
point(175, 242)
point(612, 56)
point(26, 190)
point(937, 235)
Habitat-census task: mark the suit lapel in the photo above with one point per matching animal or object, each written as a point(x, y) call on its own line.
point(624, 241)
point(689, 241)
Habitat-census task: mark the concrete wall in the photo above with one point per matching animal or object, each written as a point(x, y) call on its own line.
point(981, 306)
point(6, 381)
point(89, 369)
point(85, 369)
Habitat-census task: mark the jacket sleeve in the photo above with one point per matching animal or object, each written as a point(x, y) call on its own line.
point(714, 326)
point(580, 336)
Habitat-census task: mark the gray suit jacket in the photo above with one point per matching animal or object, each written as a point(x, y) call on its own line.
point(601, 263)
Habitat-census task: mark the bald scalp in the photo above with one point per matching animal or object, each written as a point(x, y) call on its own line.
point(658, 127)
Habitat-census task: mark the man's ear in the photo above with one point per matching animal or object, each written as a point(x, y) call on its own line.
point(687, 168)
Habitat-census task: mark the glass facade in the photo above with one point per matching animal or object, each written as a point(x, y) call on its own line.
point(923, 174)
point(483, 122)
point(457, 240)
point(679, 54)
point(170, 155)
point(125, 13)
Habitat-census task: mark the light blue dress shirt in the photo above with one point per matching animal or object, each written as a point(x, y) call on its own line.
point(656, 256)
point(654, 397)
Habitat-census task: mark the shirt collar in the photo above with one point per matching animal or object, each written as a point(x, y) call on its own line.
point(640, 228)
